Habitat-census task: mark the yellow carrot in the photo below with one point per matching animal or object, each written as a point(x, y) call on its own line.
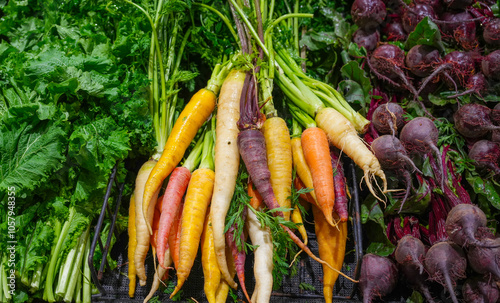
point(297, 219)
point(142, 234)
point(223, 290)
point(227, 159)
point(211, 271)
point(279, 160)
point(300, 165)
point(198, 196)
point(132, 243)
point(193, 116)
point(341, 133)
point(331, 243)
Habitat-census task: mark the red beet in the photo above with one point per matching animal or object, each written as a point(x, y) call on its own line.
point(394, 31)
point(486, 155)
point(491, 32)
point(486, 260)
point(457, 4)
point(480, 290)
point(388, 118)
point(411, 17)
point(421, 60)
point(366, 38)
point(490, 65)
point(368, 14)
point(446, 263)
point(379, 276)
point(473, 121)
point(461, 27)
point(466, 225)
point(420, 135)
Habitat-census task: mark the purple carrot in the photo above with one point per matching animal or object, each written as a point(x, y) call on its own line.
point(340, 206)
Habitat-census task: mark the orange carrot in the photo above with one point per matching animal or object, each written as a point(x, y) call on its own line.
point(317, 153)
point(255, 198)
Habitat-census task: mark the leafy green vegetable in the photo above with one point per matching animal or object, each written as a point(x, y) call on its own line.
point(425, 33)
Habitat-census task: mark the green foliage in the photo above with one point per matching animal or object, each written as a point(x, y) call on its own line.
point(425, 33)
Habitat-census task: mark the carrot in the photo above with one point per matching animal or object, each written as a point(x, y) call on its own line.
point(297, 219)
point(340, 206)
point(161, 271)
point(255, 198)
point(300, 165)
point(341, 133)
point(175, 236)
point(263, 254)
point(132, 243)
point(156, 221)
point(196, 112)
point(304, 196)
point(211, 271)
point(226, 163)
point(279, 160)
point(332, 243)
point(317, 154)
point(223, 289)
point(142, 234)
point(198, 196)
point(251, 144)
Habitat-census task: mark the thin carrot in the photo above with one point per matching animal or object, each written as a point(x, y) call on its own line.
point(303, 196)
point(156, 221)
point(341, 133)
point(279, 160)
point(160, 274)
point(226, 163)
point(175, 236)
point(255, 198)
point(317, 154)
point(211, 271)
point(332, 244)
point(142, 234)
point(340, 206)
point(297, 219)
point(223, 289)
point(176, 188)
point(132, 243)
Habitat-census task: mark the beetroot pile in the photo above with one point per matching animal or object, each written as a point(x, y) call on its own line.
point(435, 112)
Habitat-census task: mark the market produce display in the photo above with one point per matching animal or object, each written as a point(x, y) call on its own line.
point(226, 125)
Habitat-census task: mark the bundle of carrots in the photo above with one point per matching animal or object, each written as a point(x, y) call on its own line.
point(215, 201)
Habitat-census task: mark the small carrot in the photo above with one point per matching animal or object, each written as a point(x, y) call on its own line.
point(341, 134)
point(279, 160)
point(223, 289)
point(176, 188)
point(255, 198)
point(156, 221)
point(297, 219)
point(142, 233)
point(226, 163)
point(198, 197)
point(317, 154)
point(303, 196)
point(332, 243)
point(211, 271)
point(132, 243)
point(340, 206)
point(160, 275)
point(175, 236)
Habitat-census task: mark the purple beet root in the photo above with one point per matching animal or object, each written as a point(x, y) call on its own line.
point(486, 260)
point(460, 26)
point(446, 263)
point(394, 31)
point(368, 14)
point(420, 135)
point(388, 118)
point(366, 38)
point(457, 4)
point(461, 68)
point(379, 276)
point(480, 290)
point(436, 5)
point(473, 121)
point(491, 32)
point(486, 156)
point(490, 65)
point(466, 226)
point(411, 17)
point(421, 60)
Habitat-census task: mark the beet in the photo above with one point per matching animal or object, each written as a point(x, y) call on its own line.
point(387, 62)
point(420, 135)
point(460, 26)
point(446, 263)
point(486, 260)
point(366, 38)
point(480, 290)
point(388, 118)
point(466, 225)
point(473, 121)
point(368, 14)
point(421, 60)
point(411, 17)
point(486, 155)
point(490, 65)
point(491, 32)
point(394, 31)
point(436, 5)
point(457, 4)
point(409, 254)
point(379, 276)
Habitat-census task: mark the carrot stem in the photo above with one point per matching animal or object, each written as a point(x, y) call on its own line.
point(193, 160)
